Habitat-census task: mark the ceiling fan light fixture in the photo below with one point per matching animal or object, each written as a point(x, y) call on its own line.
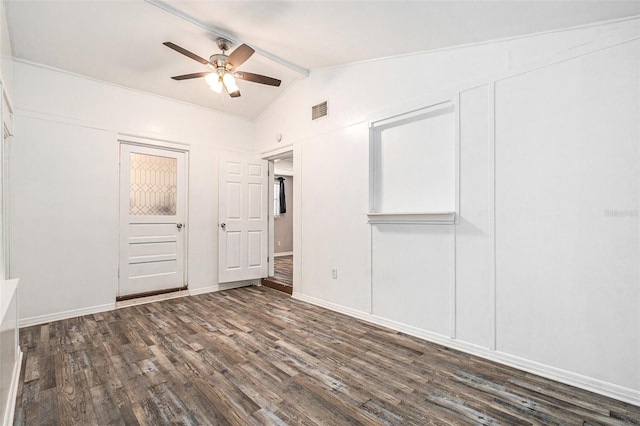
point(224, 68)
point(214, 81)
point(230, 83)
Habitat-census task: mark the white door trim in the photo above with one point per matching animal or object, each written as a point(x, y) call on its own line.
point(153, 143)
point(282, 152)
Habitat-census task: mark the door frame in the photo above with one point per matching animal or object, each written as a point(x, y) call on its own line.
point(126, 139)
point(285, 152)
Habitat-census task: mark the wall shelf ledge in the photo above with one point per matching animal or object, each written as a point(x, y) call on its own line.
point(425, 218)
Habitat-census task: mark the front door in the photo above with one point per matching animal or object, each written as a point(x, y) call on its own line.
point(242, 210)
point(152, 220)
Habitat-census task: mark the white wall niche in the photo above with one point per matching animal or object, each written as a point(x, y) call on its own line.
point(412, 166)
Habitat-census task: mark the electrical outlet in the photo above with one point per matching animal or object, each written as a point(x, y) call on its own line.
point(334, 274)
point(278, 243)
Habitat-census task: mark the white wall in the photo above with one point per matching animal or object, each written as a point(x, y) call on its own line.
point(567, 150)
point(6, 61)
point(334, 222)
point(6, 79)
point(64, 172)
point(9, 350)
point(535, 274)
point(65, 196)
point(367, 91)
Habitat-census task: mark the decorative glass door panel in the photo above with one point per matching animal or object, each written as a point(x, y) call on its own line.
point(153, 184)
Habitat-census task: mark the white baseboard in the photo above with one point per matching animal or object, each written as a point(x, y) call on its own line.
point(10, 406)
point(283, 253)
point(567, 377)
point(43, 319)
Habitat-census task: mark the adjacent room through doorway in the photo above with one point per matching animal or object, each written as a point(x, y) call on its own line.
point(282, 207)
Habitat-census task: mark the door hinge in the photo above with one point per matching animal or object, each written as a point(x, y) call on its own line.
point(268, 259)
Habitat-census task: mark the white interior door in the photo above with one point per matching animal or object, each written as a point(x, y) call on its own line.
point(152, 213)
point(242, 207)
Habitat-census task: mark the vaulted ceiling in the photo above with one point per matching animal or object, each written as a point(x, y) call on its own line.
point(121, 41)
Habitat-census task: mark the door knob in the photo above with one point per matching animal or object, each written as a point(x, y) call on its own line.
point(223, 226)
point(179, 225)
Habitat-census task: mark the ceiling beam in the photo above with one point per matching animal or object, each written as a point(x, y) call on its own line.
point(219, 32)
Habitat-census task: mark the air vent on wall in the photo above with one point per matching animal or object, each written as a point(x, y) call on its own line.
point(319, 111)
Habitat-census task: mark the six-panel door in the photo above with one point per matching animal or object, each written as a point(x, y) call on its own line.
point(242, 207)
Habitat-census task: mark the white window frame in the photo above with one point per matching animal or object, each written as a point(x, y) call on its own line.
point(276, 198)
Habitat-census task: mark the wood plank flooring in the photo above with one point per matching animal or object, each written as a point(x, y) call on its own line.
point(255, 356)
point(282, 279)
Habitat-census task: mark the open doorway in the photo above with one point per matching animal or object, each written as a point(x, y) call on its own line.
point(281, 278)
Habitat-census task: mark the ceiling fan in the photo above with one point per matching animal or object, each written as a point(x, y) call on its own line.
point(224, 68)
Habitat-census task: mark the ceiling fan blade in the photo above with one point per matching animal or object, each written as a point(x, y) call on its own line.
point(257, 78)
point(239, 56)
point(194, 75)
point(185, 52)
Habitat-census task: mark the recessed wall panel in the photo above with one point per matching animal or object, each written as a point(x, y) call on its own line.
point(567, 227)
point(411, 275)
point(474, 320)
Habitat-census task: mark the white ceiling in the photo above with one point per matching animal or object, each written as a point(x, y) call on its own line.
point(121, 41)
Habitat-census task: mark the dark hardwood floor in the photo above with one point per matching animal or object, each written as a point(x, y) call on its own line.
point(282, 279)
point(256, 356)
